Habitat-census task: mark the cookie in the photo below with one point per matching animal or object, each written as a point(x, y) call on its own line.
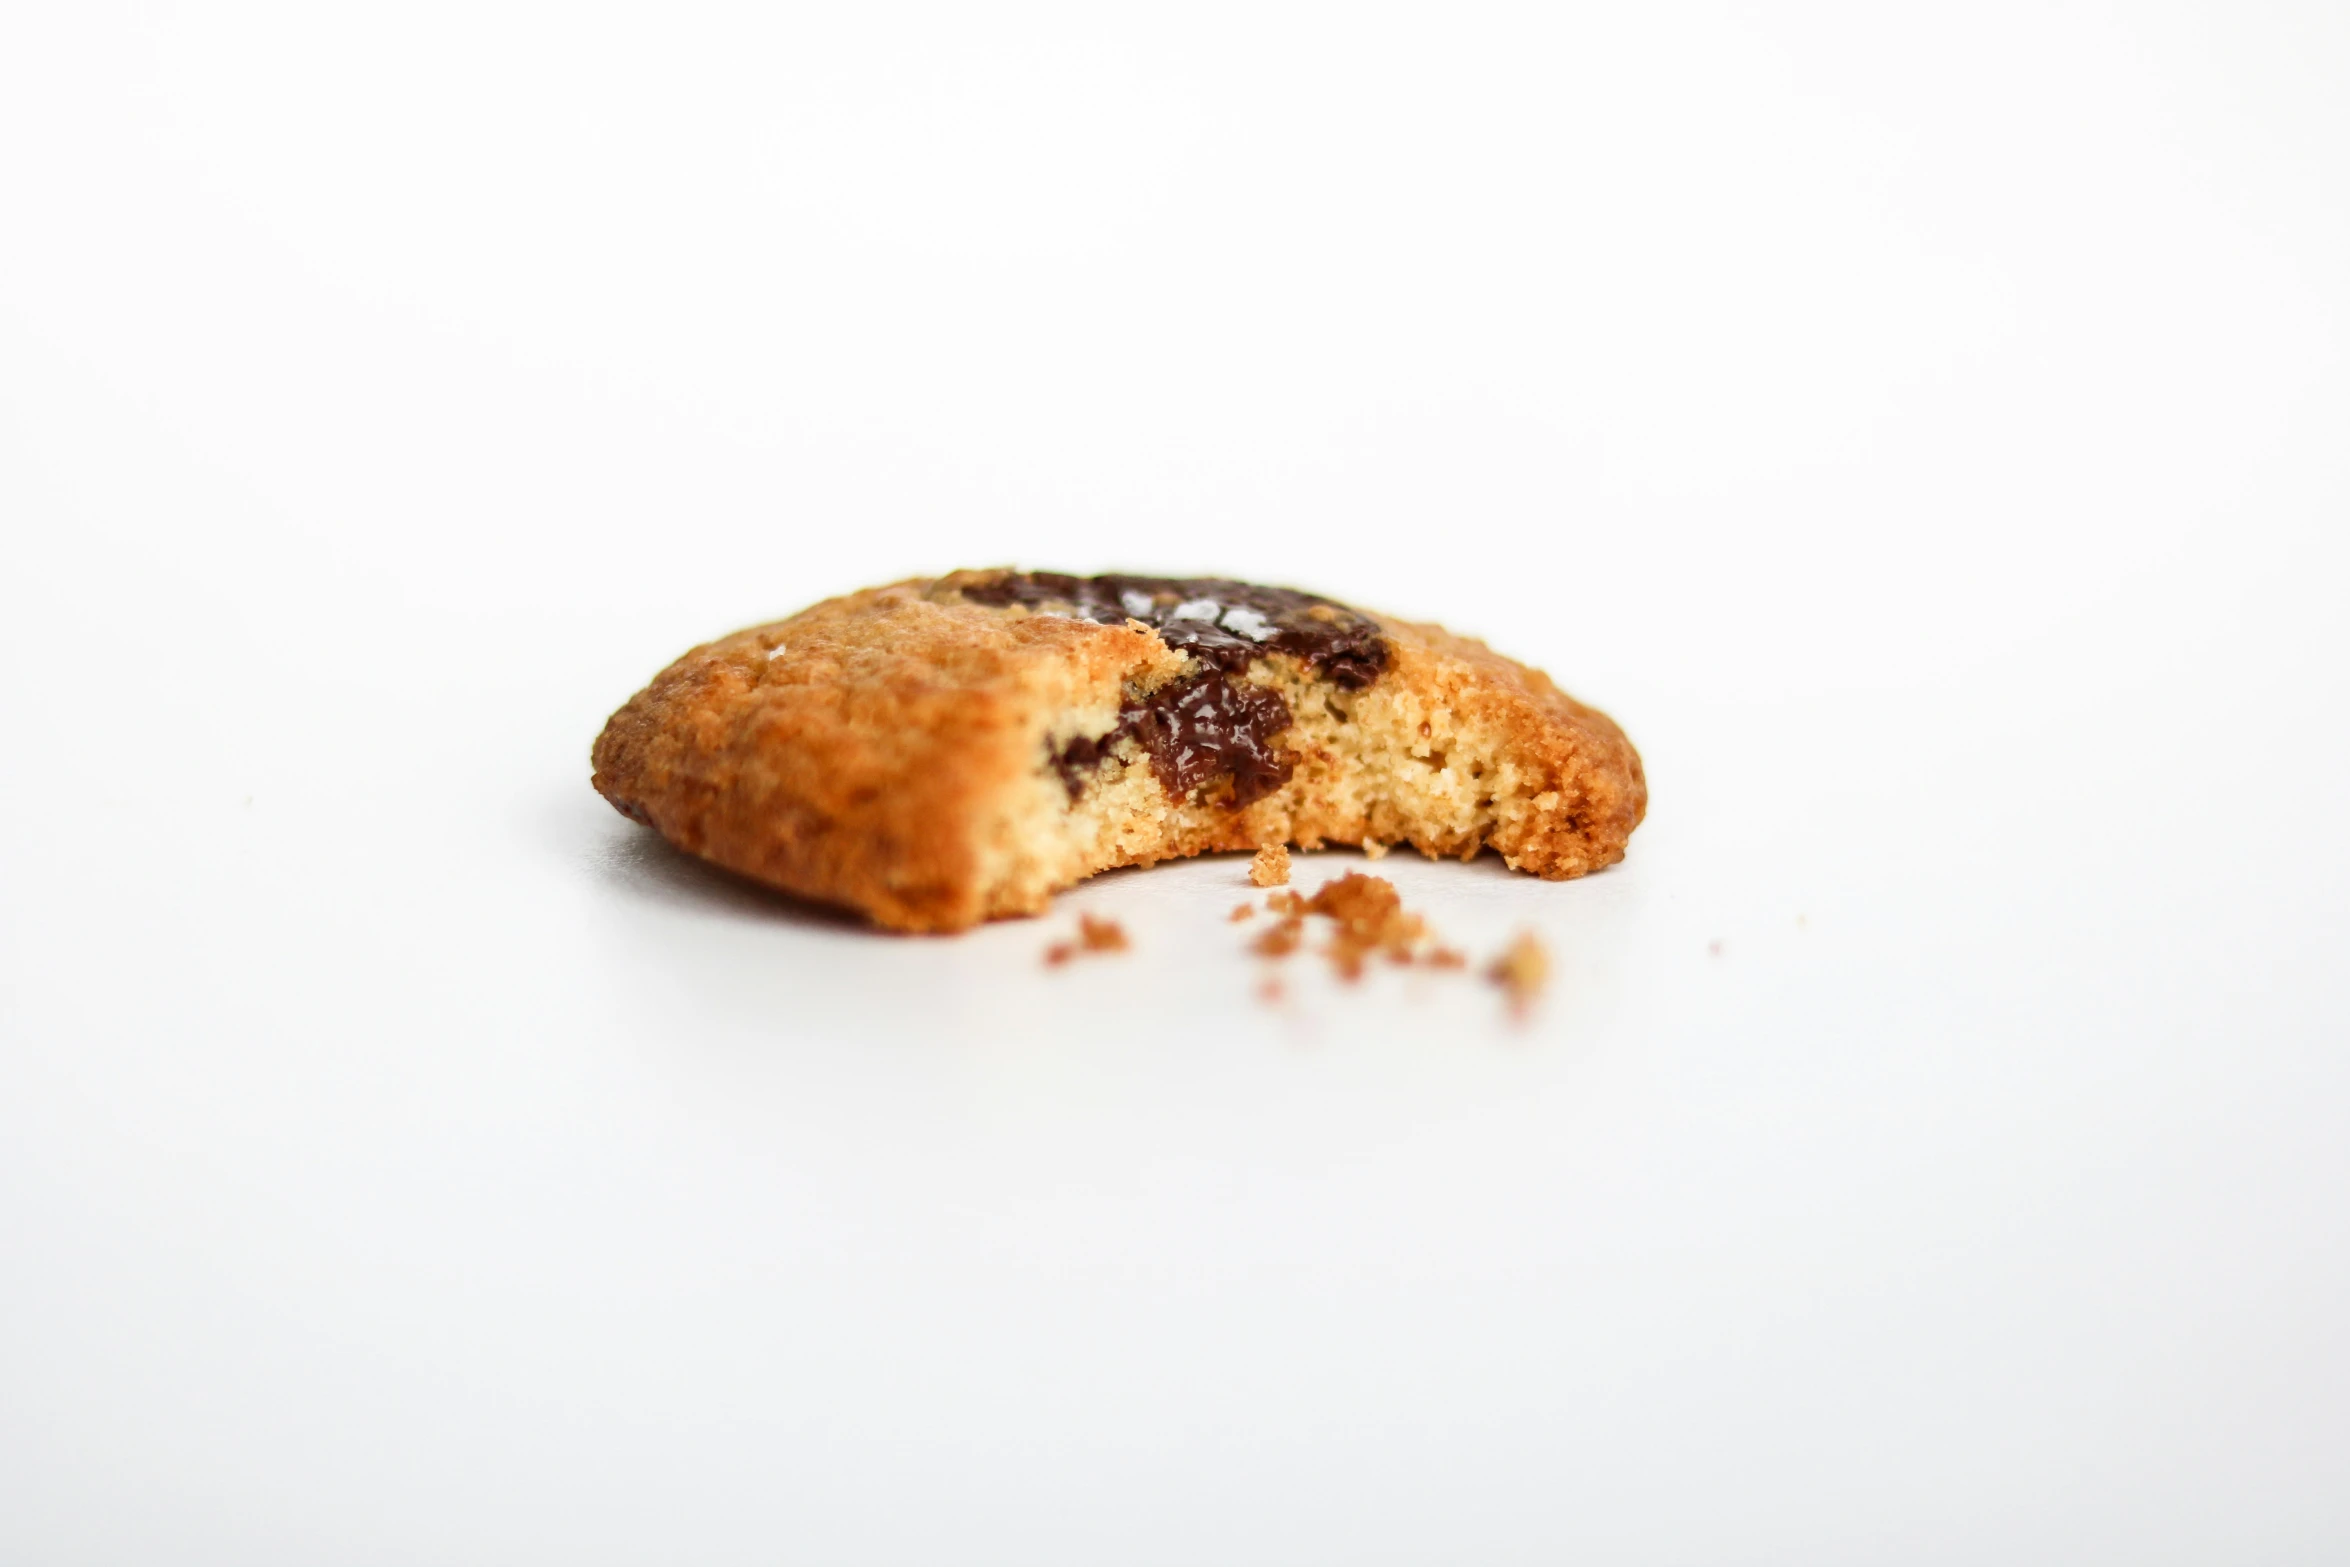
point(945, 751)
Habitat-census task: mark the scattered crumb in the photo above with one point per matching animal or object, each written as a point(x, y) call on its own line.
point(1521, 970)
point(1093, 935)
point(1373, 849)
point(1714, 948)
point(1370, 918)
point(1245, 911)
point(1271, 866)
point(1282, 939)
point(1371, 921)
point(1357, 899)
point(1271, 990)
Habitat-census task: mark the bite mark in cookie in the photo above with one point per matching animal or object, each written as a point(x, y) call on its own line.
point(945, 751)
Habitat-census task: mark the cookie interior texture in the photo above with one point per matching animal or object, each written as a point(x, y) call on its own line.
point(944, 751)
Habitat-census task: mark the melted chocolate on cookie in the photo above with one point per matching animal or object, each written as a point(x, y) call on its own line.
point(1209, 723)
point(1217, 621)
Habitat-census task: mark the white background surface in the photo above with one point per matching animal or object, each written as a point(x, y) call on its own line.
point(1922, 426)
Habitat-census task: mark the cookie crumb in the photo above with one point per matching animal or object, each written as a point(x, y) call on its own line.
point(1093, 935)
point(1521, 970)
point(1370, 921)
point(1271, 866)
point(1282, 939)
point(1245, 911)
point(1271, 990)
point(1370, 918)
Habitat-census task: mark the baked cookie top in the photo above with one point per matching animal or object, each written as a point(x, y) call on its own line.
point(942, 751)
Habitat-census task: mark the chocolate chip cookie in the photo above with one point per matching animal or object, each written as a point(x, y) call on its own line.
point(944, 751)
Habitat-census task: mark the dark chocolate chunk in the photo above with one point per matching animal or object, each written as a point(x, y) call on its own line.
point(1212, 723)
point(1077, 760)
point(1204, 726)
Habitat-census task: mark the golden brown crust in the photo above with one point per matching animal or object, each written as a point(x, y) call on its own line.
point(888, 751)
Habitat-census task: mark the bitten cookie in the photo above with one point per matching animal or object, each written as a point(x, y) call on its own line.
point(940, 752)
